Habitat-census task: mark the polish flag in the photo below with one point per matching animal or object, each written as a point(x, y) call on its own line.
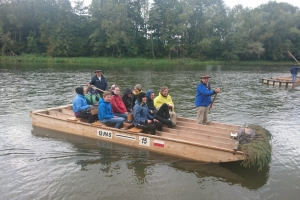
point(159, 143)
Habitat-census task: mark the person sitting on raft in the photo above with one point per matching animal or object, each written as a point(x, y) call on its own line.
point(135, 92)
point(162, 114)
point(127, 99)
point(164, 97)
point(92, 97)
point(142, 118)
point(105, 114)
point(117, 104)
point(81, 108)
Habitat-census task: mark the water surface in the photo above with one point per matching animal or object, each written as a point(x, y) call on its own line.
point(41, 164)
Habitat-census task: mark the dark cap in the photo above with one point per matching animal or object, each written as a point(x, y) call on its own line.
point(98, 70)
point(205, 76)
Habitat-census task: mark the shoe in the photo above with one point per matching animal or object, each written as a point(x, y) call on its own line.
point(233, 135)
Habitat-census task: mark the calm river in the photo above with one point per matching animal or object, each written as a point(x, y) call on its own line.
point(42, 164)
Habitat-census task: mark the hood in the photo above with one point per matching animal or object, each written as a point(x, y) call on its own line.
point(148, 94)
point(127, 91)
point(79, 90)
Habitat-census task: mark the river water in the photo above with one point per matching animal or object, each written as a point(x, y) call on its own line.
point(42, 164)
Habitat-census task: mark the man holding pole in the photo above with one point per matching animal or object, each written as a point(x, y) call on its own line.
point(203, 101)
point(99, 82)
point(294, 72)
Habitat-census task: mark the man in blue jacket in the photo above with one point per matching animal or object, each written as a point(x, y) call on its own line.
point(99, 81)
point(294, 72)
point(203, 99)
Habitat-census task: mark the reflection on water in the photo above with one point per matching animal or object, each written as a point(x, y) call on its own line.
point(140, 161)
point(59, 167)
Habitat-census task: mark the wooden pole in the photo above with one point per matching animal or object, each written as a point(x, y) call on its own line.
point(97, 88)
point(294, 58)
point(211, 104)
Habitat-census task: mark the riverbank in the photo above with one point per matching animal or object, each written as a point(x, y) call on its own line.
point(133, 61)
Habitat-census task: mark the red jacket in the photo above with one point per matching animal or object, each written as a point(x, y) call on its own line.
point(117, 104)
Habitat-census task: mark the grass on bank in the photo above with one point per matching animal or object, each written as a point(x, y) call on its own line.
point(131, 61)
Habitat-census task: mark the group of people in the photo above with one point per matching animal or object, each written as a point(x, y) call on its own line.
point(144, 110)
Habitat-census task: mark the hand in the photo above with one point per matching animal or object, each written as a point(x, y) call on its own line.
point(217, 90)
point(155, 120)
point(115, 116)
point(126, 113)
point(170, 106)
point(149, 121)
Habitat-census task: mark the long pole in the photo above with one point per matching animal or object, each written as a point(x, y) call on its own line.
point(294, 58)
point(211, 104)
point(97, 88)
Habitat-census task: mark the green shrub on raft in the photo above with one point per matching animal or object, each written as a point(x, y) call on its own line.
point(258, 152)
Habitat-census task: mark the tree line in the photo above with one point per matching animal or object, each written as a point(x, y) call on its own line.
point(198, 29)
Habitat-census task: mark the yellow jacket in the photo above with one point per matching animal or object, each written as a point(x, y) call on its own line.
point(160, 100)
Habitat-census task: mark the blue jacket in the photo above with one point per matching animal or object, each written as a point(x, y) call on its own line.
point(294, 69)
point(203, 95)
point(80, 104)
point(140, 113)
point(104, 110)
point(99, 84)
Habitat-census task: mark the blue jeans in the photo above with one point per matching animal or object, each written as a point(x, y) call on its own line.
point(294, 78)
point(120, 115)
point(117, 120)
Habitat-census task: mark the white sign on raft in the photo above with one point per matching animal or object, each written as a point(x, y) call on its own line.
point(123, 136)
point(104, 133)
point(144, 141)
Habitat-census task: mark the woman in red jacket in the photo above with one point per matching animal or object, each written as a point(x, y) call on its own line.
point(117, 104)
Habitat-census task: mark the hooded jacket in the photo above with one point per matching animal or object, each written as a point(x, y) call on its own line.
point(128, 102)
point(79, 102)
point(203, 95)
point(140, 113)
point(160, 100)
point(104, 110)
point(150, 103)
point(117, 104)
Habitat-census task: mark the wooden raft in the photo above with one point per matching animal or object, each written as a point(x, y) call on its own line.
point(281, 81)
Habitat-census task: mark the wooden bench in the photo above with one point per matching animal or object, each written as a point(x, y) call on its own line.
point(136, 130)
point(73, 119)
point(94, 111)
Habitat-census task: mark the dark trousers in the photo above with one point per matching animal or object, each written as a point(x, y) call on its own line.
point(87, 115)
point(163, 115)
point(150, 127)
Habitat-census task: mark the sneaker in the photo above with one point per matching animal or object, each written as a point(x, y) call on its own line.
point(233, 135)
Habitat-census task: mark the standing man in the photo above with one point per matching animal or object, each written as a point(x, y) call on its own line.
point(99, 81)
point(294, 72)
point(203, 99)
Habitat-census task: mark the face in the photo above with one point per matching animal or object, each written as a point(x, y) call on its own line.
point(205, 80)
point(98, 73)
point(135, 90)
point(152, 96)
point(107, 98)
point(117, 90)
point(85, 90)
point(165, 92)
point(144, 99)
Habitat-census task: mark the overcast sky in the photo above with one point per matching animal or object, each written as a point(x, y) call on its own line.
point(244, 3)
